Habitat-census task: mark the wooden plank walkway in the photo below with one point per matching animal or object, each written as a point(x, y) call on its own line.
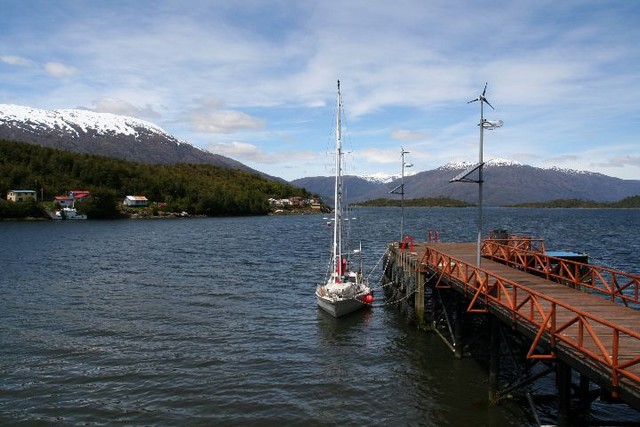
point(595, 336)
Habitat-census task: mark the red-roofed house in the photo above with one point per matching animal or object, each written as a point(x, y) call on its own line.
point(64, 201)
point(79, 194)
point(71, 197)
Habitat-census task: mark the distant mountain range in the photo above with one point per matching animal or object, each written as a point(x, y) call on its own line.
point(111, 135)
point(505, 183)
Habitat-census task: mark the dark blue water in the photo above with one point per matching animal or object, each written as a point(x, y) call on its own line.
point(214, 322)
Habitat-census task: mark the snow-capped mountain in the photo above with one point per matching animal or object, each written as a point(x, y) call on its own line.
point(383, 178)
point(379, 178)
point(507, 162)
point(105, 134)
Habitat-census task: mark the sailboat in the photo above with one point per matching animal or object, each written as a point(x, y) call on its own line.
point(346, 289)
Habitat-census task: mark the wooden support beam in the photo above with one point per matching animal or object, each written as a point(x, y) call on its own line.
point(419, 300)
point(458, 327)
point(494, 360)
point(563, 379)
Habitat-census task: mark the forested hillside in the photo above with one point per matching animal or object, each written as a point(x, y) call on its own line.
point(197, 189)
point(628, 203)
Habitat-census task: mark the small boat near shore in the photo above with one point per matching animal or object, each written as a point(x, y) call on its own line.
point(67, 213)
point(346, 289)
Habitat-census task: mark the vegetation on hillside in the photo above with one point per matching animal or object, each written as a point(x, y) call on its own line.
point(421, 202)
point(629, 202)
point(195, 189)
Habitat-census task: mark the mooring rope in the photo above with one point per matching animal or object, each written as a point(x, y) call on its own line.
point(399, 300)
point(377, 264)
point(393, 302)
point(601, 262)
point(379, 281)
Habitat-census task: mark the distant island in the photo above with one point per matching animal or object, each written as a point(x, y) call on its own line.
point(627, 203)
point(430, 202)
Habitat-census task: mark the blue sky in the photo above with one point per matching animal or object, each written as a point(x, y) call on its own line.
point(256, 80)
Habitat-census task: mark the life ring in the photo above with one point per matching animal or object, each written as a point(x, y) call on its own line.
point(404, 243)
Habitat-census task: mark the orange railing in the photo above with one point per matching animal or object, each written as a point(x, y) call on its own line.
point(518, 241)
point(616, 285)
point(561, 325)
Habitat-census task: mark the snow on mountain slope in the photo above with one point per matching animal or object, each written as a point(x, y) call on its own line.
point(488, 163)
point(74, 121)
point(383, 178)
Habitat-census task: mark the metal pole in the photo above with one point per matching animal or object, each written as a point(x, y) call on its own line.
point(480, 179)
point(404, 165)
point(337, 210)
point(402, 152)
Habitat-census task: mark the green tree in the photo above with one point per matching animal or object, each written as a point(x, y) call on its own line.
point(100, 205)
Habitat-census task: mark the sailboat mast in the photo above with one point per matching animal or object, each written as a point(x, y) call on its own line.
point(337, 216)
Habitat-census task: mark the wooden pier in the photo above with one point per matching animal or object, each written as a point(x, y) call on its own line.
point(579, 320)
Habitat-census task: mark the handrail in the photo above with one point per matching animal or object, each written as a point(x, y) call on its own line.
point(617, 285)
point(519, 241)
point(559, 323)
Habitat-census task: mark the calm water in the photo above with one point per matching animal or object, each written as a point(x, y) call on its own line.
point(214, 322)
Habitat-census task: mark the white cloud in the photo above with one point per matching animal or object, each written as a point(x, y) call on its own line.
point(16, 60)
point(378, 155)
point(58, 69)
point(619, 162)
point(122, 107)
point(407, 135)
point(241, 150)
point(252, 153)
point(223, 121)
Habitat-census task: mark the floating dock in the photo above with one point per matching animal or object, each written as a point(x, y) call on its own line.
point(530, 312)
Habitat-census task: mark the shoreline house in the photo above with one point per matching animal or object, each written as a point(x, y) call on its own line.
point(22, 195)
point(79, 194)
point(72, 196)
point(299, 202)
point(136, 201)
point(64, 201)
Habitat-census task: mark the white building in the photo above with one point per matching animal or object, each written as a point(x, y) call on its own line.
point(136, 201)
point(21, 195)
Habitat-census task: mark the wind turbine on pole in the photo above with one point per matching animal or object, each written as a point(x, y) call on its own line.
point(483, 124)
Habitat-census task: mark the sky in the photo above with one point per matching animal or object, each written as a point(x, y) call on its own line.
point(256, 80)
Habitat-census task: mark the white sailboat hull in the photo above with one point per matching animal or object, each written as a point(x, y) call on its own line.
point(340, 298)
point(340, 307)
